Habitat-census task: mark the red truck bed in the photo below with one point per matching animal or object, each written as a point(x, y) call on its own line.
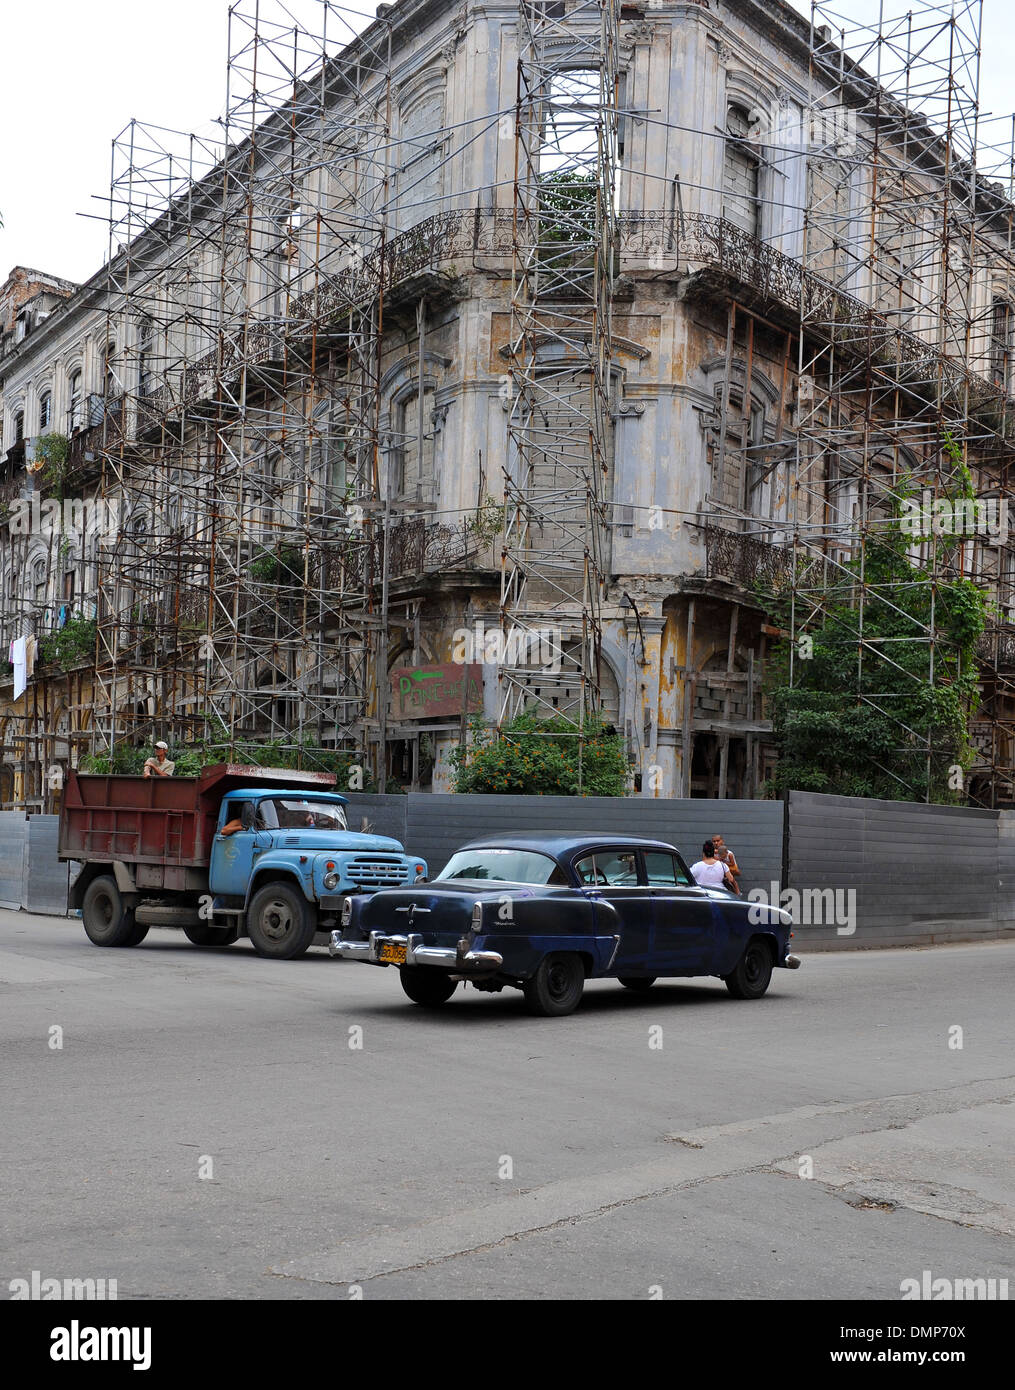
point(159, 820)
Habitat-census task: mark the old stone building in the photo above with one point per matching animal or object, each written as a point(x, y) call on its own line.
point(294, 391)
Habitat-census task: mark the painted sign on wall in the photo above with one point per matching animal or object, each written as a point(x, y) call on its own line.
point(436, 692)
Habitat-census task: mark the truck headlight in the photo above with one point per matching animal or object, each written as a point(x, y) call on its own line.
point(420, 873)
point(331, 881)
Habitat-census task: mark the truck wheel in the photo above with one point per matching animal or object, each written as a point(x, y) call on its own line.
point(426, 986)
point(753, 971)
point(556, 987)
point(139, 933)
point(637, 982)
point(280, 923)
point(203, 935)
point(106, 921)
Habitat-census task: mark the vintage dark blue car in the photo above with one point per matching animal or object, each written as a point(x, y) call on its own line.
point(545, 913)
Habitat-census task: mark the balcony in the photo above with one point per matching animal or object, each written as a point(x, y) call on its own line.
point(996, 647)
point(743, 560)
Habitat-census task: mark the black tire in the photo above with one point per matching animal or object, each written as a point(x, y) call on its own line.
point(639, 983)
point(106, 921)
point(204, 935)
point(556, 987)
point(427, 986)
point(141, 930)
point(280, 922)
point(753, 973)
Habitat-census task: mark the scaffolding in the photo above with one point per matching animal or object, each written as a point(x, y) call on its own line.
point(245, 598)
point(278, 517)
point(564, 242)
point(903, 357)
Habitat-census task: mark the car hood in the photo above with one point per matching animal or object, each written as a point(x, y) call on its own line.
point(327, 842)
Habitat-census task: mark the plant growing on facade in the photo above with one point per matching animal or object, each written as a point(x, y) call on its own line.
point(541, 757)
point(488, 523)
point(283, 565)
point(51, 454)
point(836, 730)
point(71, 644)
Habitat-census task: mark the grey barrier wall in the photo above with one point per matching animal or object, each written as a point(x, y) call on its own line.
point(897, 873)
point(436, 825)
point(45, 878)
point(13, 834)
point(858, 873)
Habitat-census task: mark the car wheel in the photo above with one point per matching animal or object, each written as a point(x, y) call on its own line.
point(639, 983)
point(106, 921)
point(280, 923)
point(203, 935)
point(427, 986)
point(556, 987)
point(753, 971)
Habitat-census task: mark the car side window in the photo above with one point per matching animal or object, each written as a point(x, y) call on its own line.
point(664, 870)
point(612, 869)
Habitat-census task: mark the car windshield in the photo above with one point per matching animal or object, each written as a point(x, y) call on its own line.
point(297, 814)
point(504, 866)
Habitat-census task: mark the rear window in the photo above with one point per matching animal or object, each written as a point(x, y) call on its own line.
point(503, 866)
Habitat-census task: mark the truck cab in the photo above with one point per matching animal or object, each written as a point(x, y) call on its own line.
point(304, 834)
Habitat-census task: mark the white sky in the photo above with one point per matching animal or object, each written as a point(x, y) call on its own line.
point(76, 71)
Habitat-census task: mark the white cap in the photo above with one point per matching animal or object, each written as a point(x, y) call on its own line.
point(160, 744)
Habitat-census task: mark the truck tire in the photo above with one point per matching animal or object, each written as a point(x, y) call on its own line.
point(106, 921)
point(280, 922)
point(202, 934)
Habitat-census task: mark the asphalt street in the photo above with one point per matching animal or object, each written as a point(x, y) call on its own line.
point(203, 1123)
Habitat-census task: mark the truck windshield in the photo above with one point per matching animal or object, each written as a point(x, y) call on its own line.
point(504, 865)
point(293, 813)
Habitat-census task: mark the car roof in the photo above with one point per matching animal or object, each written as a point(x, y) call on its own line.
point(566, 845)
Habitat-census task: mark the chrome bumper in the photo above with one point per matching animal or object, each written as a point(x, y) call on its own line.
point(415, 952)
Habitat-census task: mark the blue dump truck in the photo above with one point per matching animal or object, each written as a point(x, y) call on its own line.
point(256, 851)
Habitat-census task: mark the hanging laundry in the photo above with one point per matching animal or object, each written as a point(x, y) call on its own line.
point(19, 657)
point(31, 652)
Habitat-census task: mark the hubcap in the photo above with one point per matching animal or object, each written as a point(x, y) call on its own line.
point(558, 981)
point(754, 966)
point(276, 920)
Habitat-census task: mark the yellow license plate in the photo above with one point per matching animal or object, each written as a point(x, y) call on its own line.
point(392, 954)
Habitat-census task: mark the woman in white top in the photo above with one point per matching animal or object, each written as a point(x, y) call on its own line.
point(709, 872)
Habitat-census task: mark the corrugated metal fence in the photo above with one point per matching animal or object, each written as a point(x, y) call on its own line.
point(854, 873)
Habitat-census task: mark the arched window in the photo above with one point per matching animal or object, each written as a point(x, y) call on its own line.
point(740, 202)
point(40, 578)
point(109, 382)
point(76, 413)
point(1002, 321)
point(19, 426)
point(145, 381)
point(45, 411)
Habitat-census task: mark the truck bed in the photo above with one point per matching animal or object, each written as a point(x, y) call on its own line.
point(159, 820)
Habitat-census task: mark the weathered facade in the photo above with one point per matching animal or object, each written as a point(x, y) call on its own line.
point(291, 392)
